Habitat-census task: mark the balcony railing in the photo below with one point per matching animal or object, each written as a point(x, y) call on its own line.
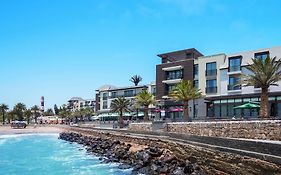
point(123, 95)
point(232, 87)
point(211, 72)
point(211, 90)
point(234, 68)
point(172, 77)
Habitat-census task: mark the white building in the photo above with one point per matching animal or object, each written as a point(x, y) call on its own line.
point(107, 93)
point(77, 103)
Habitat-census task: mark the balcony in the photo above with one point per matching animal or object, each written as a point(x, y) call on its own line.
point(210, 90)
point(210, 73)
point(172, 68)
point(234, 70)
point(174, 77)
point(232, 87)
point(172, 81)
point(123, 95)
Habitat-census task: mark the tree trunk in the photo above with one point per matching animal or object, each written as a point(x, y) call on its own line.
point(3, 117)
point(146, 113)
point(185, 111)
point(121, 121)
point(264, 103)
point(35, 117)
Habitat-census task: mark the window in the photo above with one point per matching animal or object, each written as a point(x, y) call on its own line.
point(195, 71)
point(129, 93)
point(196, 84)
point(262, 55)
point(170, 87)
point(234, 64)
point(104, 105)
point(211, 69)
point(104, 96)
point(211, 86)
point(153, 90)
point(113, 94)
point(233, 83)
point(177, 74)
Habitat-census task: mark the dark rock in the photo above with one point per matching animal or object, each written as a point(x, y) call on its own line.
point(124, 166)
point(178, 171)
point(169, 159)
point(188, 168)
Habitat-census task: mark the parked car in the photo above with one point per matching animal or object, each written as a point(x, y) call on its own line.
point(18, 124)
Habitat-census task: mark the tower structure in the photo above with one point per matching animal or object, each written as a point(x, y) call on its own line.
point(42, 105)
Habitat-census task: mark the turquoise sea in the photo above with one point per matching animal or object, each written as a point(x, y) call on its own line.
point(44, 154)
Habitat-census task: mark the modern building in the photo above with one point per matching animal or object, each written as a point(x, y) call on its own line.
point(217, 77)
point(174, 67)
point(229, 95)
point(77, 103)
point(107, 93)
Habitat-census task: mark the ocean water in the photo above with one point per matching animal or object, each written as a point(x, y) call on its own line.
point(44, 154)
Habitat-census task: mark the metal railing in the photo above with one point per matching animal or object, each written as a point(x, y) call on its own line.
point(211, 89)
point(234, 68)
point(231, 87)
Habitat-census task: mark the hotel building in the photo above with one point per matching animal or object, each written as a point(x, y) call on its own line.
point(217, 77)
point(107, 93)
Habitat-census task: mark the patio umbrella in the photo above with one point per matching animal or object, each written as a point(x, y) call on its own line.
point(248, 105)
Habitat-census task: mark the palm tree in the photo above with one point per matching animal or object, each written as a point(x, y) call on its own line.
point(28, 114)
point(3, 109)
point(136, 79)
point(145, 98)
point(185, 91)
point(49, 112)
point(18, 110)
point(65, 113)
point(120, 105)
point(35, 110)
point(87, 112)
point(265, 73)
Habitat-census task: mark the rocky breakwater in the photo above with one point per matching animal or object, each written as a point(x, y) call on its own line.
point(143, 160)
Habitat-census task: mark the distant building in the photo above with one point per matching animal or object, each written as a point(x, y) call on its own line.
point(77, 103)
point(107, 93)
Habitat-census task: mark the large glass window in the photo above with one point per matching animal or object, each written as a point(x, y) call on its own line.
point(129, 93)
point(211, 86)
point(234, 64)
point(262, 55)
point(234, 83)
point(211, 69)
point(113, 94)
point(104, 105)
point(104, 96)
point(177, 74)
point(170, 87)
point(195, 71)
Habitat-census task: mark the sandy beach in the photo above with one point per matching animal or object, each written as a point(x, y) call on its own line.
point(4, 130)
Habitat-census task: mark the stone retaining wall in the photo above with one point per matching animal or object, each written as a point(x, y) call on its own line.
point(141, 126)
point(266, 129)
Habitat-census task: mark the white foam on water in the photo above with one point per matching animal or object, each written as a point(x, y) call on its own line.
point(29, 134)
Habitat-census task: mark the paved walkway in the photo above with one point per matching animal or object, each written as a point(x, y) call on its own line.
point(261, 149)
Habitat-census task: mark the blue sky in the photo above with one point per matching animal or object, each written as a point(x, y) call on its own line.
point(65, 48)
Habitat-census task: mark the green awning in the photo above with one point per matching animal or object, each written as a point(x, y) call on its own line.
point(248, 105)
